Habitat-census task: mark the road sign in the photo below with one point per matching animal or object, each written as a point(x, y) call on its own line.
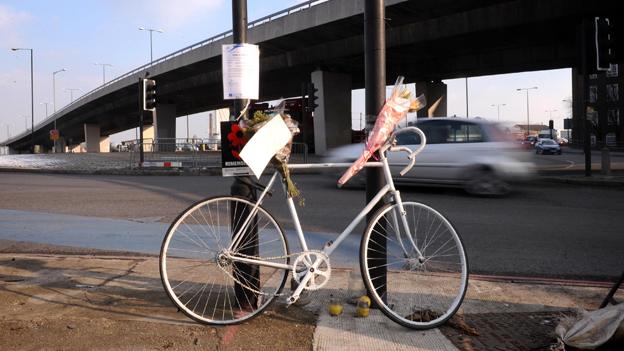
point(54, 135)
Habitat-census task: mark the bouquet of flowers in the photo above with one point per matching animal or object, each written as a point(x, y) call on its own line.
point(280, 159)
point(393, 111)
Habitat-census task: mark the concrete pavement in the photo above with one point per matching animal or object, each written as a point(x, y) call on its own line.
point(71, 288)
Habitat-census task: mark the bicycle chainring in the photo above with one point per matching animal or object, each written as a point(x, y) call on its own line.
point(304, 264)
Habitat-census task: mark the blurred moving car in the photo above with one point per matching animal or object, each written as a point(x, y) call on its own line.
point(547, 146)
point(470, 153)
point(529, 142)
point(562, 141)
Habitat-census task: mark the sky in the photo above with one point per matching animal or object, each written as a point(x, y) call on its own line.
point(78, 35)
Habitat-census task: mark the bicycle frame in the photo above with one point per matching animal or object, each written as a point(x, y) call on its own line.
point(330, 247)
point(389, 188)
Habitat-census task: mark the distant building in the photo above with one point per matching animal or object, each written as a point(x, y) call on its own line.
point(605, 106)
point(533, 129)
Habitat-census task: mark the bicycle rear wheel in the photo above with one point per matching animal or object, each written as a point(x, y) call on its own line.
point(200, 279)
point(418, 294)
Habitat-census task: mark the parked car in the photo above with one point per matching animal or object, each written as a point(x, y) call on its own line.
point(473, 154)
point(547, 146)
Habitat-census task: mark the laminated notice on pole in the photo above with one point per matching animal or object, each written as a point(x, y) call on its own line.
point(241, 71)
point(265, 143)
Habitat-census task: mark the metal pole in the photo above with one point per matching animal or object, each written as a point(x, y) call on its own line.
point(467, 97)
point(528, 124)
point(242, 185)
point(54, 95)
point(151, 56)
point(103, 74)
point(586, 125)
point(32, 104)
point(375, 95)
point(187, 128)
point(141, 117)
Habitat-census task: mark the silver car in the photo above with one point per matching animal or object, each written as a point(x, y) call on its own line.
point(471, 153)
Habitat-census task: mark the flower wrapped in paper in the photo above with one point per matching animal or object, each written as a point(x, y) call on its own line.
point(281, 136)
point(393, 111)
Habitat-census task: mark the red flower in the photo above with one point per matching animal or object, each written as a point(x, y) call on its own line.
point(236, 136)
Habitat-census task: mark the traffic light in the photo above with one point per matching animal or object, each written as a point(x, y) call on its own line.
point(149, 95)
point(604, 43)
point(551, 124)
point(312, 105)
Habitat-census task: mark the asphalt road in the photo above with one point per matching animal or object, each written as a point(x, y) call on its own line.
point(542, 229)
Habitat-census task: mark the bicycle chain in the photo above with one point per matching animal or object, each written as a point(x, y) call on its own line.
point(255, 257)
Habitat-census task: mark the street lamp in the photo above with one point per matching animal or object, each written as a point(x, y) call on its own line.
point(54, 90)
point(46, 107)
point(151, 30)
point(498, 109)
point(527, 95)
point(550, 113)
point(32, 99)
point(103, 70)
point(71, 93)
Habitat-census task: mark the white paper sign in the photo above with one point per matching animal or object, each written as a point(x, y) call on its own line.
point(265, 144)
point(241, 71)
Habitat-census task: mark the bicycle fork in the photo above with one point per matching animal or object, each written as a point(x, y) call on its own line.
point(403, 215)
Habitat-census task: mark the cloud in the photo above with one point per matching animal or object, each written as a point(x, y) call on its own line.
point(10, 23)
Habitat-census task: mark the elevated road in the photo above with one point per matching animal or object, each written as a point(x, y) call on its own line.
point(426, 41)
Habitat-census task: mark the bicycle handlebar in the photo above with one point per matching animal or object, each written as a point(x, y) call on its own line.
point(411, 153)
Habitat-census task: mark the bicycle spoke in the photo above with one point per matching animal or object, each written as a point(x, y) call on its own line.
point(200, 277)
point(416, 291)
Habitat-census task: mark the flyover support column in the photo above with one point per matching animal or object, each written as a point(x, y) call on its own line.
point(165, 123)
point(149, 135)
point(332, 117)
point(435, 92)
point(94, 142)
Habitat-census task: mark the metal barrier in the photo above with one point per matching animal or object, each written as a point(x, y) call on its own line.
point(299, 153)
point(191, 153)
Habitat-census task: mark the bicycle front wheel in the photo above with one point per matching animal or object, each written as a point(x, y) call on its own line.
point(418, 292)
point(200, 277)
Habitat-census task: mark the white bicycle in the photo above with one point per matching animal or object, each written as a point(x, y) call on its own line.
point(225, 259)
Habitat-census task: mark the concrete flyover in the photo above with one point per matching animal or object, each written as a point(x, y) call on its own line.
point(427, 41)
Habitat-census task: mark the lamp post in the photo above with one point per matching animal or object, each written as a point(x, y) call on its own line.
point(527, 99)
point(151, 30)
point(8, 130)
point(54, 90)
point(467, 97)
point(498, 109)
point(103, 70)
point(71, 93)
point(550, 113)
point(54, 98)
point(32, 99)
point(46, 107)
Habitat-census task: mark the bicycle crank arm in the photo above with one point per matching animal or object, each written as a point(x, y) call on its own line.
point(302, 284)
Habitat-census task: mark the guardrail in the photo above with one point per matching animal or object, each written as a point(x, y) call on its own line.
point(266, 19)
point(195, 155)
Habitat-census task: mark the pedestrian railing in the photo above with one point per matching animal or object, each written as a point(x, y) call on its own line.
point(190, 153)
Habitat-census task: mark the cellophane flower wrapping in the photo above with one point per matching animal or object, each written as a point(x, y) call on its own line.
point(280, 160)
point(393, 111)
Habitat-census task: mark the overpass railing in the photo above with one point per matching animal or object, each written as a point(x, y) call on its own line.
point(266, 19)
